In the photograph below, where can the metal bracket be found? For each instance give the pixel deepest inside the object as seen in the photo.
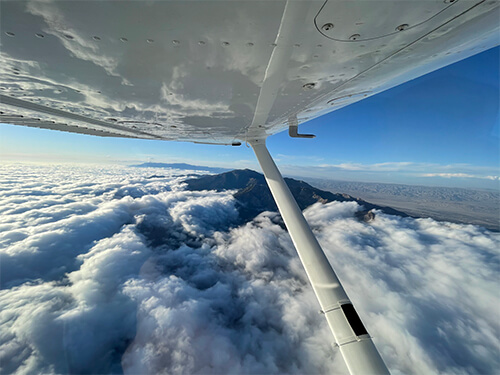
(334, 307)
(293, 129)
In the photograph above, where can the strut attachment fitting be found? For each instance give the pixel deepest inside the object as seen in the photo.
(293, 129)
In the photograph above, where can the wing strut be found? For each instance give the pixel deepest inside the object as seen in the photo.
(355, 345)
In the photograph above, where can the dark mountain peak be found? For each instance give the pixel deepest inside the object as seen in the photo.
(236, 179)
(253, 194)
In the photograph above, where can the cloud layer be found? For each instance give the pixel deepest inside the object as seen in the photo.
(106, 270)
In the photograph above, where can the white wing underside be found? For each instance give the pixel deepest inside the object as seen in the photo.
(219, 71)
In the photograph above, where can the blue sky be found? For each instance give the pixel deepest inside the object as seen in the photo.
(440, 129)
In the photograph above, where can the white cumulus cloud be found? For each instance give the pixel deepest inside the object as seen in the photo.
(110, 270)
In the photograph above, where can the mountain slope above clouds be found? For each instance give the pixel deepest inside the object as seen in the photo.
(253, 194)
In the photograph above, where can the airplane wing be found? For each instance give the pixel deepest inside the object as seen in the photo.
(219, 71)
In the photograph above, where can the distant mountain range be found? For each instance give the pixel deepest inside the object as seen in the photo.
(253, 194)
(180, 166)
(458, 205)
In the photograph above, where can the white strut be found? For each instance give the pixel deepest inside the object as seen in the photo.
(355, 345)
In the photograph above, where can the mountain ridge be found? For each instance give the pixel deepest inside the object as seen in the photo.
(253, 194)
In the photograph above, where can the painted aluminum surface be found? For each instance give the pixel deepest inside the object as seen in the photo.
(219, 71)
(359, 352)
